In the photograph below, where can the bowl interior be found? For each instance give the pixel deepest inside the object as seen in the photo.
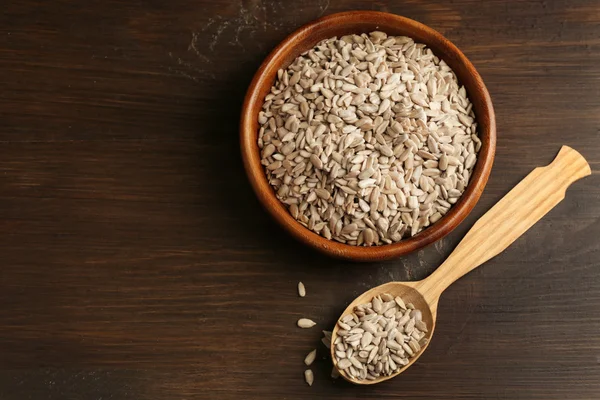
(363, 22)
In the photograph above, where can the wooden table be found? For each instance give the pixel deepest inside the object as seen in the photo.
(136, 262)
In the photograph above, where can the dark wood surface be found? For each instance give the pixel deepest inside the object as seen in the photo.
(136, 262)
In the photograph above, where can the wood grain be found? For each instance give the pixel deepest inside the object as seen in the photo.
(138, 264)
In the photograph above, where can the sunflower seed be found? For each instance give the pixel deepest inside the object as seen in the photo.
(301, 289)
(357, 364)
(344, 363)
(379, 344)
(420, 325)
(306, 323)
(386, 297)
(309, 377)
(400, 303)
(310, 357)
(366, 339)
(414, 345)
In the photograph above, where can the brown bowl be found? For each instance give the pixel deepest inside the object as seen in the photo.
(363, 22)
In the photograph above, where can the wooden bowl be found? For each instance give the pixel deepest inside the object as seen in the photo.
(363, 22)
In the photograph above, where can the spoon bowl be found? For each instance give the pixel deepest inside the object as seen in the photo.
(409, 292)
(514, 214)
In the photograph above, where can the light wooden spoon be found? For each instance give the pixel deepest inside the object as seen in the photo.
(516, 212)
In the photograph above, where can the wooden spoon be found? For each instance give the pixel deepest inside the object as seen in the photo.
(516, 212)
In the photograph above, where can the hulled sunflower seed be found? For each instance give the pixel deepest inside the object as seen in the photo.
(309, 377)
(344, 363)
(306, 323)
(301, 289)
(310, 357)
(400, 302)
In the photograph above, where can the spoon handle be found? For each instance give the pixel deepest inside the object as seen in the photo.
(516, 212)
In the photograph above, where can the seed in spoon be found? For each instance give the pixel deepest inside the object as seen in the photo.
(377, 305)
(306, 323)
(344, 363)
(379, 344)
(400, 303)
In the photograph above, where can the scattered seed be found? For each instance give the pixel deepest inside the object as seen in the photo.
(386, 297)
(400, 302)
(344, 363)
(310, 357)
(306, 323)
(309, 377)
(422, 326)
(301, 289)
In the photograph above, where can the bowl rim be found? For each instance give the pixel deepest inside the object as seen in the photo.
(265, 193)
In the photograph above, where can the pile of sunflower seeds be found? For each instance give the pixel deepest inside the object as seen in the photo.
(368, 139)
(378, 338)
